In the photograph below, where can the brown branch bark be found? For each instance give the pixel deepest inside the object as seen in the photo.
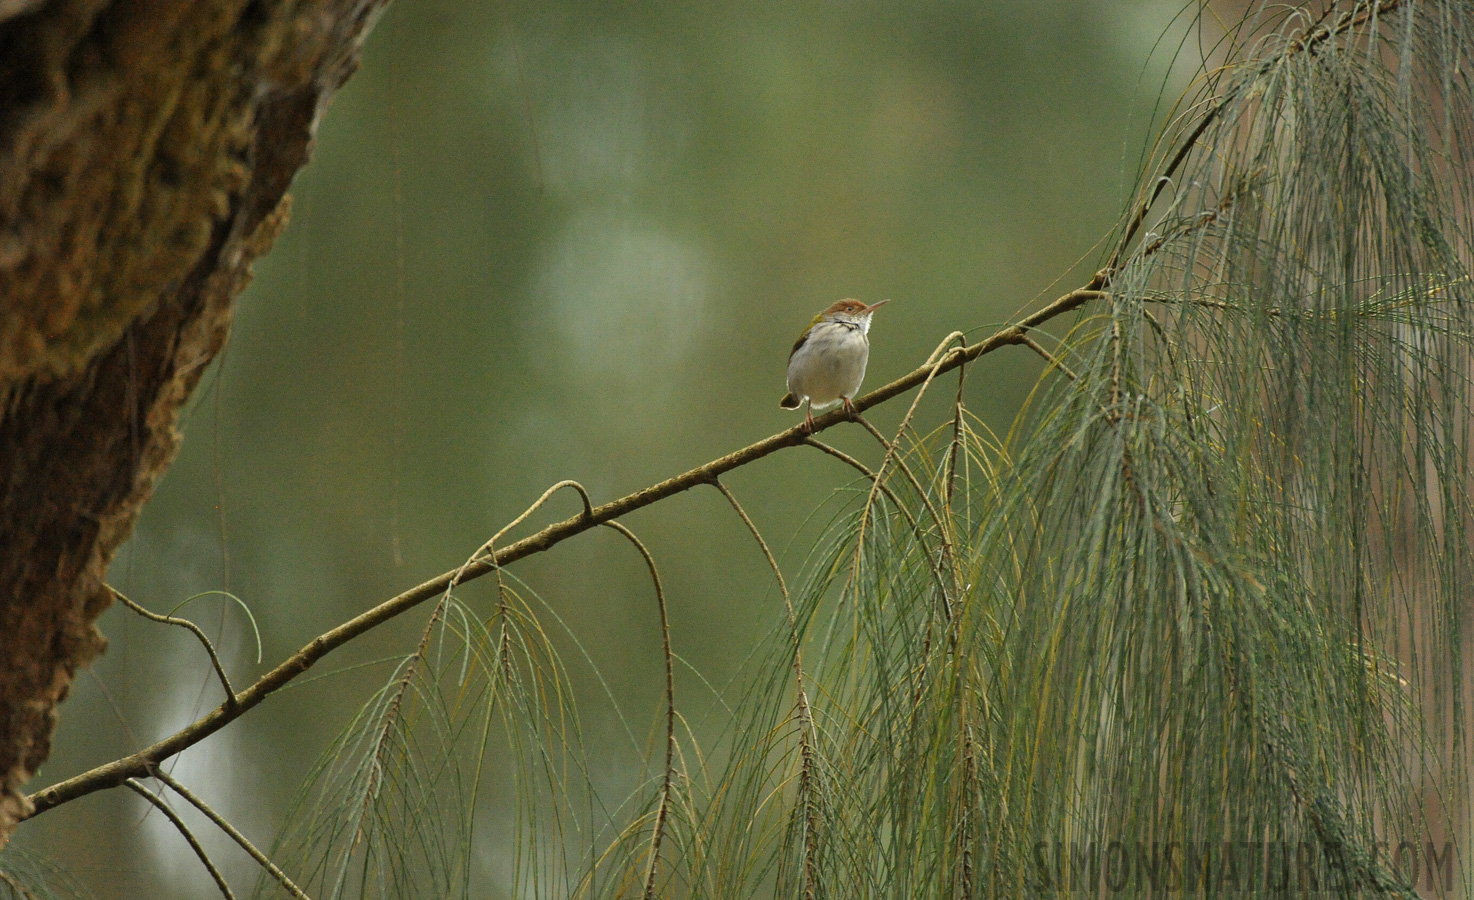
(145, 154)
(145, 151)
(141, 763)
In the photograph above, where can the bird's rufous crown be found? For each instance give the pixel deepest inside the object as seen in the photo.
(850, 307)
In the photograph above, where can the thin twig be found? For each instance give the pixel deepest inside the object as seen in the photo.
(757, 536)
(230, 830)
(965, 805)
(956, 446)
(230, 698)
(890, 495)
(1217, 304)
(391, 713)
(948, 558)
(1203, 219)
(890, 453)
(1049, 357)
(798, 665)
(486, 550)
(184, 831)
(663, 809)
(138, 763)
(805, 714)
(1115, 412)
(942, 531)
(1162, 181)
(1350, 19)
(865, 470)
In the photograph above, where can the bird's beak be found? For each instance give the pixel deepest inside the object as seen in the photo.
(873, 307)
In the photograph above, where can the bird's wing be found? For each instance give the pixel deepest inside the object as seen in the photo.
(805, 336)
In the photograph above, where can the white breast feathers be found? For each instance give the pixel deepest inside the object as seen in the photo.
(830, 364)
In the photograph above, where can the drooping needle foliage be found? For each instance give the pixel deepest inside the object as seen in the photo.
(1195, 624)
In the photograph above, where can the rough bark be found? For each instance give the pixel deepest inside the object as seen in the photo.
(146, 147)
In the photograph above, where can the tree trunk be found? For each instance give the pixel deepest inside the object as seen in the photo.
(146, 147)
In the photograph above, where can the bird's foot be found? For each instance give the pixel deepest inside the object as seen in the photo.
(849, 408)
(809, 422)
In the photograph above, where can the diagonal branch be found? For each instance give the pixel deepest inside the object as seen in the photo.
(230, 830)
(1049, 358)
(138, 764)
(184, 831)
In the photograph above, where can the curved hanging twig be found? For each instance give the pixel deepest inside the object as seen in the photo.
(935, 362)
(808, 773)
(1050, 358)
(910, 476)
(486, 551)
(663, 809)
(956, 445)
(941, 356)
(230, 830)
(866, 471)
(230, 698)
(184, 832)
(891, 495)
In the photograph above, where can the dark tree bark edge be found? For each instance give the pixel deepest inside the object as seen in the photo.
(146, 147)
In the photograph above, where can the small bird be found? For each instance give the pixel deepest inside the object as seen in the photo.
(827, 363)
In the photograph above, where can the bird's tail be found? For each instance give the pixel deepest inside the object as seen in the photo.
(789, 401)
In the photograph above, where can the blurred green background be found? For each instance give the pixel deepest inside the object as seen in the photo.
(575, 240)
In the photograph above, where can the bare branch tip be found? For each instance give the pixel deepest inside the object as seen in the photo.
(230, 696)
